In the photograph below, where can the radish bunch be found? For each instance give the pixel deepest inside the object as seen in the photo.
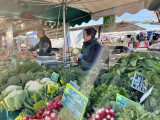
(103, 114)
(47, 113)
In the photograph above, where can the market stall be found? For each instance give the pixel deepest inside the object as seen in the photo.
(32, 90)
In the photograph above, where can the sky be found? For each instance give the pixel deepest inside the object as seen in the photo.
(143, 15)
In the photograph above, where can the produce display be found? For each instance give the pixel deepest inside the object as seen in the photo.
(4, 58)
(27, 87)
(4, 65)
(154, 46)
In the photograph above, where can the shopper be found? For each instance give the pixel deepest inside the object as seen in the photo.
(90, 51)
(44, 44)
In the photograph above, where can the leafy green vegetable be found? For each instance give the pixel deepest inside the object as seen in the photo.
(20, 116)
(135, 111)
(38, 105)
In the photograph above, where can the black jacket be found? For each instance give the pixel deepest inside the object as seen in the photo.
(90, 53)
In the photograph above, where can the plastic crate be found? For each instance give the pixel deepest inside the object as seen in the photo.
(6, 115)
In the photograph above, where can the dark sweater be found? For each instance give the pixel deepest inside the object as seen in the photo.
(90, 52)
(44, 46)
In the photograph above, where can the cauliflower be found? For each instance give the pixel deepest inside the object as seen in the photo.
(15, 100)
(10, 88)
(34, 86)
(46, 81)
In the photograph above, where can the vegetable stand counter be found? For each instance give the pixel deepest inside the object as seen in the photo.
(6, 115)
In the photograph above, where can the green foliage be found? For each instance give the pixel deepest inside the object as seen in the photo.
(135, 111)
(71, 74)
(20, 116)
(38, 105)
(14, 80)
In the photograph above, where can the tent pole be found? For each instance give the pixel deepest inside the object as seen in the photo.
(64, 29)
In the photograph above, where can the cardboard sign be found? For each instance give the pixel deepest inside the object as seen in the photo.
(140, 82)
(121, 100)
(109, 23)
(54, 77)
(75, 101)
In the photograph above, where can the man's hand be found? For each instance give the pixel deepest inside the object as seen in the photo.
(35, 55)
(78, 55)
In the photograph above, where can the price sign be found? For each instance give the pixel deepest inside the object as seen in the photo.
(74, 85)
(54, 77)
(75, 101)
(140, 82)
(121, 100)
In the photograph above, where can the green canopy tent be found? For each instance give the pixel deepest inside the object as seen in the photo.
(71, 11)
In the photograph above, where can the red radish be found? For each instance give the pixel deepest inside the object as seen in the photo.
(55, 106)
(43, 116)
(26, 118)
(43, 108)
(35, 117)
(49, 105)
(58, 99)
(93, 116)
(48, 118)
(30, 118)
(88, 115)
(102, 113)
(112, 113)
(38, 115)
(48, 113)
(108, 117)
(60, 104)
(41, 111)
(112, 118)
(54, 116)
(107, 112)
(108, 108)
(98, 117)
(104, 119)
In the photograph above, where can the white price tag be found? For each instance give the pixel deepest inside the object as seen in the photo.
(148, 93)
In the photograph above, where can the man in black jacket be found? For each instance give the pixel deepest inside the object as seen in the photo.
(44, 44)
(90, 51)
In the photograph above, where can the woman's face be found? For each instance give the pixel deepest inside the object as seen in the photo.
(86, 37)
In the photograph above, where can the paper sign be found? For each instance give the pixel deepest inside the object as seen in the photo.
(148, 93)
(121, 100)
(54, 77)
(75, 101)
(140, 82)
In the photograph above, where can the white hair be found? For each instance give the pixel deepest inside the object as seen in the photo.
(41, 31)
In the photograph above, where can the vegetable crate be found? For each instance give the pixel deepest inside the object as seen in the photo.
(6, 115)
